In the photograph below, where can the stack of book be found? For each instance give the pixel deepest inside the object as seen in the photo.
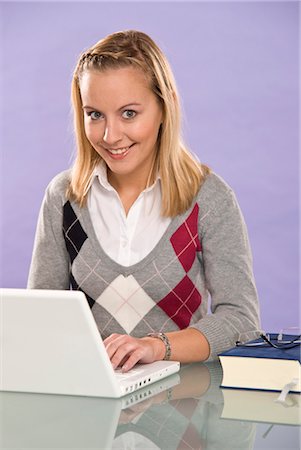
(250, 375)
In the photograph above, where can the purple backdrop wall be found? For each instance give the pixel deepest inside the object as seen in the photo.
(237, 70)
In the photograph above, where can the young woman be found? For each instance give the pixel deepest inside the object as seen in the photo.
(148, 233)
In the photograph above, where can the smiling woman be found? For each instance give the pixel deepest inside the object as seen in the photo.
(146, 231)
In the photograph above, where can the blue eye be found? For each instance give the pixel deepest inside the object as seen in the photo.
(129, 114)
(95, 115)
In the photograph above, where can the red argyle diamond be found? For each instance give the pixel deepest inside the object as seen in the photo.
(185, 240)
(181, 302)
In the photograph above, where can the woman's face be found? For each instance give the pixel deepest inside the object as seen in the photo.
(122, 117)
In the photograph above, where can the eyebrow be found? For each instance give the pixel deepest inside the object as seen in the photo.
(122, 107)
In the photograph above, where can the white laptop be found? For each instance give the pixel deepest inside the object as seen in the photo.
(50, 343)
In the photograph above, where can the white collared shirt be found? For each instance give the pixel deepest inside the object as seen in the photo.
(127, 239)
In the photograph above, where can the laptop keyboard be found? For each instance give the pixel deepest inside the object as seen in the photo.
(127, 375)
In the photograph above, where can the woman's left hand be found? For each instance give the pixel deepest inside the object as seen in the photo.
(125, 351)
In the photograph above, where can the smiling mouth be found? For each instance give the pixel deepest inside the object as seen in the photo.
(118, 151)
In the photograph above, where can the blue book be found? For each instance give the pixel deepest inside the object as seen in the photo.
(262, 367)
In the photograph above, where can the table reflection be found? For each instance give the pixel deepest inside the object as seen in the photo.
(186, 415)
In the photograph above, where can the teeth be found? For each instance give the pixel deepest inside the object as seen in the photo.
(119, 151)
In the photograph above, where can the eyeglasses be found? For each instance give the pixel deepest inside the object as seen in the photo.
(279, 340)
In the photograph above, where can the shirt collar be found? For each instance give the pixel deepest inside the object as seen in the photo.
(100, 172)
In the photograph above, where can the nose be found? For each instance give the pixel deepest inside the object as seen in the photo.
(112, 132)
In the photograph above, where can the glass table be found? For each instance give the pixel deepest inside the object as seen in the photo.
(192, 413)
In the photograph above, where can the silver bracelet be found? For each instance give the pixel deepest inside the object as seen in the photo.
(165, 341)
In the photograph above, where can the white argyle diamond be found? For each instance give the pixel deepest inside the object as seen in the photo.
(126, 301)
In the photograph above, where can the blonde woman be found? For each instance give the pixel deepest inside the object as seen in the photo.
(147, 232)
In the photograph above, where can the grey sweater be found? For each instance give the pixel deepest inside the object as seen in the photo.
(202, 259)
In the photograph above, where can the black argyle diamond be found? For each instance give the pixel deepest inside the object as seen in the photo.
(74, 234)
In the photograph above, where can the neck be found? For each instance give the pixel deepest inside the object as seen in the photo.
(129, 188)
(124, 182)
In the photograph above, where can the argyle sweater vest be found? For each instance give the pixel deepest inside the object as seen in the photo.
(205, 250)
(166, 295)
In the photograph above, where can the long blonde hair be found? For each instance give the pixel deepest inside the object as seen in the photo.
(181, 174)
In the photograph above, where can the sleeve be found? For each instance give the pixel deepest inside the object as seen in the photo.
(228, 272)
(49, 267)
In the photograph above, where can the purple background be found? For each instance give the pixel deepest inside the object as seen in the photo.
(236, 65)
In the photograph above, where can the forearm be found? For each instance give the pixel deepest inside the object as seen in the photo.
(187, 346)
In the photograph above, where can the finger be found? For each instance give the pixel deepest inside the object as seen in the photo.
(114, 342)
(124, 352)
(134, 357)
(111, 338)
